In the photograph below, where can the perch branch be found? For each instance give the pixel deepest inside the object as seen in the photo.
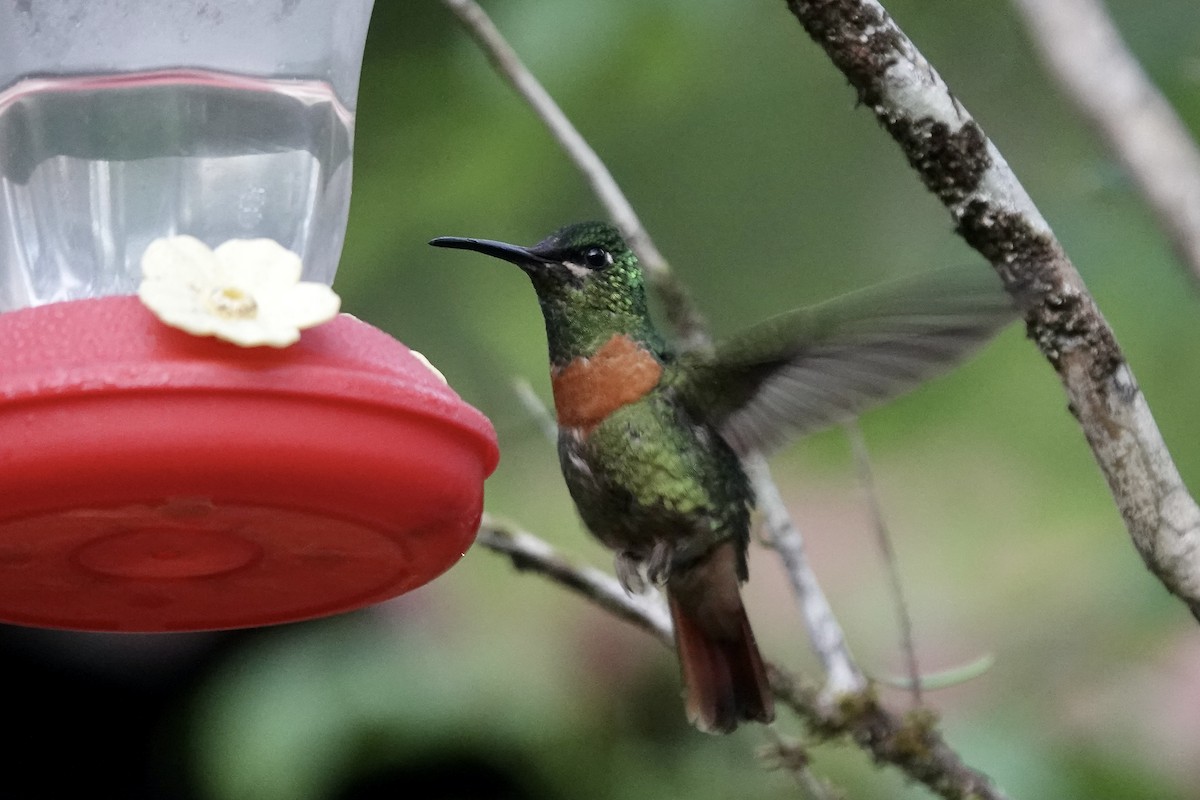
(528, 552)
(910, 743)
(993, 213)
(1085, 52)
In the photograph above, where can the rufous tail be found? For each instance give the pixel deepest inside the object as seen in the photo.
(724, 679)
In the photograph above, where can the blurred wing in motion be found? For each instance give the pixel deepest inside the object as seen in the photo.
(813, 367)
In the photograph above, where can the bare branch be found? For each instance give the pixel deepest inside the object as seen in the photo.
(1084, 50)
(528, 552)
(910, 743)
(958, 163)
(842, 675)
(680, 310)
(883, 539)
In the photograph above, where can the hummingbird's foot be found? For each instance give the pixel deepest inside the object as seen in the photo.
(658, 566)
(629, 572)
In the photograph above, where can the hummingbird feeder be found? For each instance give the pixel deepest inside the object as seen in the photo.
(155, 475)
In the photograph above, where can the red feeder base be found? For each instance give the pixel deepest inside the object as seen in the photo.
(155, 481)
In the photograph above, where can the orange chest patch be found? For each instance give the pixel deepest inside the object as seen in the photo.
(589, 389)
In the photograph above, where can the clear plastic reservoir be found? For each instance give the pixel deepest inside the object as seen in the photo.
(233, 123)
(93, 168)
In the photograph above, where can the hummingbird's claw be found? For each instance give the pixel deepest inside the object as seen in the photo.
(658, 566)
(629, 573)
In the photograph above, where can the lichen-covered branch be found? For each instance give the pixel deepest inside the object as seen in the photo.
(993, 213)
(1084, 51)
(910, 742)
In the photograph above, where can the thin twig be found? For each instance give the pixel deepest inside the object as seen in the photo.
(528, 552)
(1085, 52)
(842, 675)
(883, 538)
(791, 754)
(680, 311)
(994, 214)
(911, 743)
(546, 422)
(688, 323)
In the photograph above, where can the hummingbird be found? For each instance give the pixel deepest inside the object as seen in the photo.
(651, 439)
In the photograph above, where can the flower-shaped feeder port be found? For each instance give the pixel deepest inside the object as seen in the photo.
(247, 291)
(154, 480)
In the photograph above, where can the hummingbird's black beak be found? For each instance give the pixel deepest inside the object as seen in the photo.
(523, 257)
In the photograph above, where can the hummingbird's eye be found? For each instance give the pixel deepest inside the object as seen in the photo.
(596, 257)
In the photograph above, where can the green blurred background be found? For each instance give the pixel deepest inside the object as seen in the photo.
(743, 151)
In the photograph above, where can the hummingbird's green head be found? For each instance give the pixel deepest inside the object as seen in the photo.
(588, 282)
